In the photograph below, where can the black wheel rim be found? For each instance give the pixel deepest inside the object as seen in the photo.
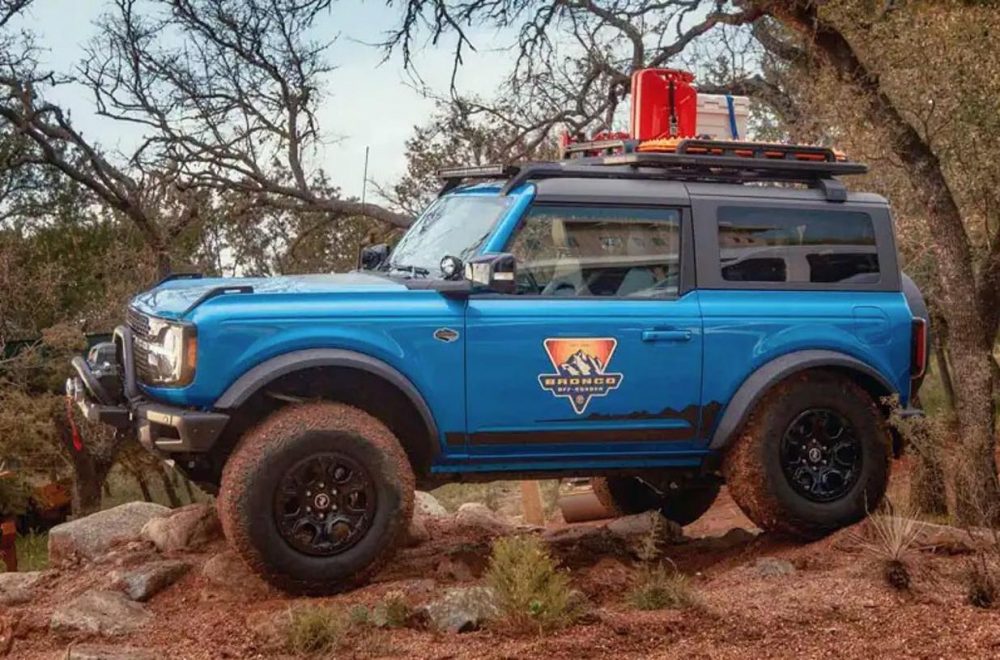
(324, 504)
(821, 455)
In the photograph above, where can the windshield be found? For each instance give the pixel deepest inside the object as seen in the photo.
(456, 226)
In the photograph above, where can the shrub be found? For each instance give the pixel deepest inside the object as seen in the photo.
(891, 534)
(314, 629)
(660, 587)
(359, 615)
(531, 592)
(394, 611)
(981, 581)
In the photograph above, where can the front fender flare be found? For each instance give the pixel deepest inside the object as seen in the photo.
(269, 370)
(770, 373)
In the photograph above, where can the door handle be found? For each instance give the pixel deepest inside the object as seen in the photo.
(666, 335)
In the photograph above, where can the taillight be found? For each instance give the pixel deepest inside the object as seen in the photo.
(918, 352)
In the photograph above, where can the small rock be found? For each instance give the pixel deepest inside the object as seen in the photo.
(462, 610)
(427, 505)
(88, 538)
(641, 525)
(146, 581)
(100, 612)
(95, 652)
(417, 532)
(228, 571)
(452, 569)
(734, 538)
(188, 528)
(773, 567)
(476, 514)
(18, 588)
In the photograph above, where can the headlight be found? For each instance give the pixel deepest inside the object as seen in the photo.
(168, 355)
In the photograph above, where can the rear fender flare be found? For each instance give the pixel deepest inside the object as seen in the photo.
(769, 374)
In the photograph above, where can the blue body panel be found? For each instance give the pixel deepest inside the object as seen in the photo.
(670, 366)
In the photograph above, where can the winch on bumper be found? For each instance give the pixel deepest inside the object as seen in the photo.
(105, 390)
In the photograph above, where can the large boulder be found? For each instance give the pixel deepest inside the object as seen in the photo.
(144, 582)
(18, 588)
(190, 527)
(100, 612)
(462, 610)
(88, 538)
(425, 504)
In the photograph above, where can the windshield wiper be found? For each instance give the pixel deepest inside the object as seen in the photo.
(415, 271)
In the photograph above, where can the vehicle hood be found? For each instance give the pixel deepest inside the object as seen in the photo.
(173, 299)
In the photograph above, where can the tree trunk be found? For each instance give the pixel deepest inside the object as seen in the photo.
(188, 489)
(89, 475)
(976, 488)
(944, 372)
(168, 486)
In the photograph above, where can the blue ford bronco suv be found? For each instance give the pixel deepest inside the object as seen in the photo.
(662, 323)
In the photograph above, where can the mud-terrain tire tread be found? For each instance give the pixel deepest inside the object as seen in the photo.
(745, 471)
(276, 433)
(684, 508)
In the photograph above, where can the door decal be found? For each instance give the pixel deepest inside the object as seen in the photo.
(581, 369)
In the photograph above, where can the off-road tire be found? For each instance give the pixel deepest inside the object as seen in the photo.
(752, 463)
(255, 468)
(624, 496)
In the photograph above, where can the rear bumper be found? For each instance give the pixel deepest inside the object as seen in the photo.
(160, 428)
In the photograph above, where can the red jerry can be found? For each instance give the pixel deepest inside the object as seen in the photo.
(664, 105)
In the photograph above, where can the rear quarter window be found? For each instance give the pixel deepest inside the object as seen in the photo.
(760, 244)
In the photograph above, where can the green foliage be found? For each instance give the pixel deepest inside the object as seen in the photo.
(532, 594)
(314, 629)
(359, 615)
(14, 494)
(659, 587)
(32, 551)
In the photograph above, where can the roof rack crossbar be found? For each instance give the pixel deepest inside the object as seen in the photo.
(671, 166)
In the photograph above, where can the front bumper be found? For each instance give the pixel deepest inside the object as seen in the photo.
(160, 428)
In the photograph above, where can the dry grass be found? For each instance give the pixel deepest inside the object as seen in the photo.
(314, 629)
(532, 594)
(890, 536)
(660, 587)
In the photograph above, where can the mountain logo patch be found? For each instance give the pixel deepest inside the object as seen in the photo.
(581, 369)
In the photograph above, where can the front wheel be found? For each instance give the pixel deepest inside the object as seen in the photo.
(316, 497)
(813, 457)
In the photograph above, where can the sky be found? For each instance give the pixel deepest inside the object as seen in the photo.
(367, 103)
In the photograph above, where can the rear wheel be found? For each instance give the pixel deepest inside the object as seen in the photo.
(629, 495)
(316, 498)
(812, 458)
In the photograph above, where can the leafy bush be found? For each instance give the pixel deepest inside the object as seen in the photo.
(659, 587)
(531, 592)
(314, 629)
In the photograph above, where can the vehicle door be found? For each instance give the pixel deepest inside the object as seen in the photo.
(598, 356)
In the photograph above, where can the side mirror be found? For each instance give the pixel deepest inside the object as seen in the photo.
(493, 272)
(373, 256)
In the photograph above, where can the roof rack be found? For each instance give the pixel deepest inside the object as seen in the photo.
(692, 160)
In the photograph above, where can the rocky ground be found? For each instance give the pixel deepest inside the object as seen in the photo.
(140, 581)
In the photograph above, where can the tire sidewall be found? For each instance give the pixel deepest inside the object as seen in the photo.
(869, 486)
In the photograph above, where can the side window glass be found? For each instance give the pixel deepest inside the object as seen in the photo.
(598, 251)
(788, 245)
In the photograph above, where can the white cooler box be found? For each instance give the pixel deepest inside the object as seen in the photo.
(717, 117)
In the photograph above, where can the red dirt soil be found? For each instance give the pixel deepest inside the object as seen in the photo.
(835, 605)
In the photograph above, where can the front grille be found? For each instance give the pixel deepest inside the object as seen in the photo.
(140, 326)
(138, 322)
